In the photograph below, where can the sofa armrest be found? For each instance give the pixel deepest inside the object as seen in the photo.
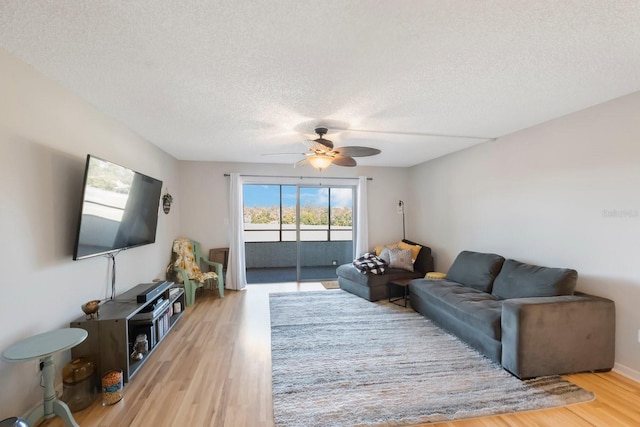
(557, 335)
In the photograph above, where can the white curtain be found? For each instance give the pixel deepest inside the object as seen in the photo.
(362, 225)
(236, 275)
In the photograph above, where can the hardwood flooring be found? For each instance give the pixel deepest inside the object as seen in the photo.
(214, 369)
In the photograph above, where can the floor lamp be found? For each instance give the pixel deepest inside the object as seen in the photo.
(401, 210)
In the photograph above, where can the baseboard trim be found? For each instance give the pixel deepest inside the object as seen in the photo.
(627, 372)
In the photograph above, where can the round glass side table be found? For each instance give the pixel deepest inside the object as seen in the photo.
(43, 346)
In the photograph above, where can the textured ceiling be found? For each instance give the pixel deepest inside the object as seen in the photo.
(232, 80)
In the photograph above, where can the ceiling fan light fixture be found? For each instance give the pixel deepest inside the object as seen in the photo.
(320, 161)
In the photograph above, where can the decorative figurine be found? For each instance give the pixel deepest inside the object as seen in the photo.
(91, 309)
(167, 199)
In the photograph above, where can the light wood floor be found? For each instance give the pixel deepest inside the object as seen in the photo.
(214, 369)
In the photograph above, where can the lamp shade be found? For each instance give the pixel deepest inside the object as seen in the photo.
(320, 161)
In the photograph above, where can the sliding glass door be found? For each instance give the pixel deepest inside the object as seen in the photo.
(325, 228)
(296, 232)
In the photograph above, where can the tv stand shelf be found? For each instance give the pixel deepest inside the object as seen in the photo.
(113, 334)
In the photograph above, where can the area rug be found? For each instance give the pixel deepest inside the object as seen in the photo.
(330, 284)
(339, 360)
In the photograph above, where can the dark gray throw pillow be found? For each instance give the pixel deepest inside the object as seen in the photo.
(475, 269)
(520, 280)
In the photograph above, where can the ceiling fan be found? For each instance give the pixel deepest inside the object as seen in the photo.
(322, 152)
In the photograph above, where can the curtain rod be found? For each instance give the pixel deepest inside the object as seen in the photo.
(301, 177)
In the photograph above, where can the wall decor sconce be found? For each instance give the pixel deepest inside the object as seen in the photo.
(167, 199)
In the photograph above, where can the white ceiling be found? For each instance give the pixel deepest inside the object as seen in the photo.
(232, 80)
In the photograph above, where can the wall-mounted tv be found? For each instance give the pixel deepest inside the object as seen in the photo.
(119, 209)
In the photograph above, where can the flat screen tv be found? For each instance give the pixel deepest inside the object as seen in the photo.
(119, 209)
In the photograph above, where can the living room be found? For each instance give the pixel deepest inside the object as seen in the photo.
(561, 192)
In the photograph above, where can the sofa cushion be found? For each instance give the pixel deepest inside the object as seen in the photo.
(475, 269)
(385, 255)
(415, 249)
(378, 249)
(476, 308)
(520, 280)
(382, 251)
(400, 258)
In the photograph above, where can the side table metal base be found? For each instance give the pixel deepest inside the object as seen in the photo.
(405, 297)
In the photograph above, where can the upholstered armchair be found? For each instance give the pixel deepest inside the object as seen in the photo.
(185, 268)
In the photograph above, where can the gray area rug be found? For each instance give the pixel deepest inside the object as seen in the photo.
(339, 360)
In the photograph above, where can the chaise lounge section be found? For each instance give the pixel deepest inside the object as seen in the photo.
(527, 318)
(374, 287)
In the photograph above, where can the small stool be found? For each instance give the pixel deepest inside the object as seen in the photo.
(434, 275)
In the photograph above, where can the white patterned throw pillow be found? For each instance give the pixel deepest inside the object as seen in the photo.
(399, 258)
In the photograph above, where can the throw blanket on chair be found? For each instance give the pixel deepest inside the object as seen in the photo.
(369, 263)
(183, 257)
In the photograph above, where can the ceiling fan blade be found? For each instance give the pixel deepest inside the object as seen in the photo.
(344, 161)
(316, 146)
(391, 132)
(301, 162)
(356, 151)
(324, 142)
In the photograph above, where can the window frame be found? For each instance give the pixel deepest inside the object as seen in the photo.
(298, 226)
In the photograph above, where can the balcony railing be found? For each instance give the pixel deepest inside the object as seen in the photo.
(284, 254)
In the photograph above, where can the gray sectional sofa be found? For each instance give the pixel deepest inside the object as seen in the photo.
(527, 318)
(374, 287)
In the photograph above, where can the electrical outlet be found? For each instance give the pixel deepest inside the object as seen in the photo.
(335, 262)
(639, 335)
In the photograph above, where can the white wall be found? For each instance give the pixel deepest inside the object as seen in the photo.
(45, 135)
(564, 194)
(205, 196)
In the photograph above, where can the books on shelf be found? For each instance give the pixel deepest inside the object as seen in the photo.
(162, 325)
(173, 293)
